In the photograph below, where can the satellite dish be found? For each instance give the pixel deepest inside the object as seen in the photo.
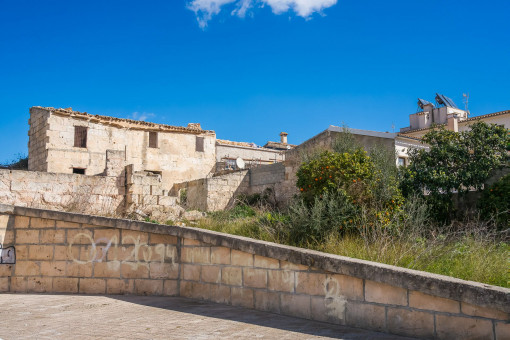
(240, 163)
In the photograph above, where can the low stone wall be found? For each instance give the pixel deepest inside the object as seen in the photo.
(89, 194)
(213, 193)
(48, 251)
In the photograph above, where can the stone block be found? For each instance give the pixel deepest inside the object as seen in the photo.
(122, 253)
(79, 236)
(42, 223)
(386, 294)
(267, 301)
(92, 286)
(232, 276)
(107, 269)
(134, 237)
(6, 270)
(66, 253)
(51, 236)
(211, 274)
(474, 310)
(242, 297)
(27, 236)
(158, 270)
(410, 323)
(280, 280)
(119, 286)
(310, 283)
(39, 284)
(195, 290)
(74, 269)
(134, 270)
(27, 268)
(191, 242)
(327, 310)
(455, 327)
(4, 284)
(18, 284)
(266, 262)
(296, 305)
(351, 288)
(191, 272)
(53, 268)
(109, 235)
(164, 239)
(21, 222)
(502, 331)
(67, 225)
(366, 316)
(220, 294)
(171, 288)
(220, 255)
(42, 253)
(148, 287)
(255, 277)
(65, 285)
(201, 255)
(240, 258)
(425, 301)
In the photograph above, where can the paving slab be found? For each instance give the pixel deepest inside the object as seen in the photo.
(42, 316)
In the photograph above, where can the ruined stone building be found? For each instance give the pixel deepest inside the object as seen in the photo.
(67, 141)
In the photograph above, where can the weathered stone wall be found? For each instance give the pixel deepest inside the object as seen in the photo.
(250, 155)
(213, 193)
(65, 192)
(72, 253)
(176, 156)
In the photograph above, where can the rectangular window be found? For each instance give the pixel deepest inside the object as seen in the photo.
(80, 136)
(153, 139)
(401, 161)
(199, 147)
(79, 171)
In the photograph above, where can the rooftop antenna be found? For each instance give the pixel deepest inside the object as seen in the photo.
(393, 127)
(466, 102)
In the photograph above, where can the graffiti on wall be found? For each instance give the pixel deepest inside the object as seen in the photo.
(7, 255)
(136, 254)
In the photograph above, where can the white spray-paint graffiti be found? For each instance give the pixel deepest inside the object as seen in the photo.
(7, 255)
(100, 248)
(333, 299)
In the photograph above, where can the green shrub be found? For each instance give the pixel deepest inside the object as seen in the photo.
(495, 202)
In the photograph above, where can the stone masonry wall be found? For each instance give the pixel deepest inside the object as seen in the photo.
(69, 192)
(47, 251)
(37, 141)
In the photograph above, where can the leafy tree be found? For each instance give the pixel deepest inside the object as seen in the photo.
(455, 161)
(495, 202)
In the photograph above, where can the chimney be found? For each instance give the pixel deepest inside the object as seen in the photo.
(453, 123)
(283, 137)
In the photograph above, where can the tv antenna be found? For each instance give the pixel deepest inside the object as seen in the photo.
(466, 102)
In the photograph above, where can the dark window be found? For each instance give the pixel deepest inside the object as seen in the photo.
(79, 171)
(153, 139)
(199, 144)
(80, 136)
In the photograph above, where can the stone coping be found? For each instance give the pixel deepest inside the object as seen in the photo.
(438, 285)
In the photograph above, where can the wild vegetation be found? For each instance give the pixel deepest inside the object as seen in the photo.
(20, 162)
(357, 203)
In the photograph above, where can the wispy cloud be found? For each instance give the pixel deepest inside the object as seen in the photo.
(141, 116)
(206, 9)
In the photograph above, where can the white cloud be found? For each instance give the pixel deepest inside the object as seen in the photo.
(141, 116)
(206, 9)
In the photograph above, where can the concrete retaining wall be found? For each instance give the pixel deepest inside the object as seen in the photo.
(48, 251)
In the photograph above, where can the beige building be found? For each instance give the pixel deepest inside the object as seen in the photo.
(67, 141)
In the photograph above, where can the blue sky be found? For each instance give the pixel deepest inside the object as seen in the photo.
(249, 77)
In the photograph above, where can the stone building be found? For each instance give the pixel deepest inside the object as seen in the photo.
(67, 141)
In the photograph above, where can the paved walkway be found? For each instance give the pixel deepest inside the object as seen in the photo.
(24, 316)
